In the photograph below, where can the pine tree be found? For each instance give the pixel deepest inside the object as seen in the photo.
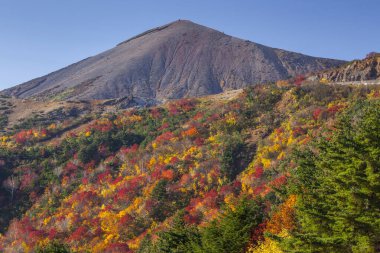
(179, 238)
(231, 233)
(53, 247)
(338, 182)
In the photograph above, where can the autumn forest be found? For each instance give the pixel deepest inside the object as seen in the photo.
(291, 166)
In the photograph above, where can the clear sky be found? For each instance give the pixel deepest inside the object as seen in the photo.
(40, 36)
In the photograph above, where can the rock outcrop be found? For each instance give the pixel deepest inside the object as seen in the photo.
(358, 70)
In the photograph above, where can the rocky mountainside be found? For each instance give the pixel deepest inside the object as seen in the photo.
(358, 70)
(180, 59)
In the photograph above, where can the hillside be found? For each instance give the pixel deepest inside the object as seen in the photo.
(357, 70)
(180, 59)
(265, 169)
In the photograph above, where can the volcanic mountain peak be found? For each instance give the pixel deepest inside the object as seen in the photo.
(180, 59)
(180, 24)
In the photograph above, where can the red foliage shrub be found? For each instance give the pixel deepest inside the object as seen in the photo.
(78, 234)
(126, 219)
(211, 199)
(199, 141)
(130, 188)
(279, 181)
(299, 79)
(202, 181)
(117, 180)
(188, 158)
(213, 117)
(198, 116)
(258, 172)
(193, 203)
(259, 189)
(95, 222)
(155, 112)
(376, 94)
(28, 179)
(192, 219)
(297, 131)
(72, 135)
(84, 196)
(237, 186)
(118, 247)
(131, 149)
(236, 106)
(21, 137)
(163, 127)
(173, 109)
(174, 160)
(316, 113)
(167, 136)
(258, 233)
(103, 125)
(98, 231)
(225, 190)
(185, 179)
(279, 130)
(182, 105)
(186, 104)
(44, 132)
(149, 203)
(104, 176)
(34, 233)
(85, 180)
(90, 165)
(334, 109)
(24, 230)
(52, 233)
(156, 173)
(190, 132)
(70, 168)
(168, 174)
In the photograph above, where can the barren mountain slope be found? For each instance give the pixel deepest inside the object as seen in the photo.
(180, 59)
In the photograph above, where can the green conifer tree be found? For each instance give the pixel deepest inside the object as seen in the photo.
(338, 182)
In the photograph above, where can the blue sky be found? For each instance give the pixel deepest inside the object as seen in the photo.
(40, 36)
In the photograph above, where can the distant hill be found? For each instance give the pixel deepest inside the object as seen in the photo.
(358, 70)
(180, 59)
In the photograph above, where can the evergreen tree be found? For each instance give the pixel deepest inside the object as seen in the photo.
(53, 247)
(179, 238)
(147, 245)
(338, 182)
(231, 233)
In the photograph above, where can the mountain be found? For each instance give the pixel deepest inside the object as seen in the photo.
(180, 59)
(358, 70)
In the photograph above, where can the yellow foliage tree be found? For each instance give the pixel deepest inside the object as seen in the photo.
(266, 246)
(283, 219)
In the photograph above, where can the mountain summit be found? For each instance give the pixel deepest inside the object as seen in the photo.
(180, 59)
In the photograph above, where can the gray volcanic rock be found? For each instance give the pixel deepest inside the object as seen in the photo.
(180, 59)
